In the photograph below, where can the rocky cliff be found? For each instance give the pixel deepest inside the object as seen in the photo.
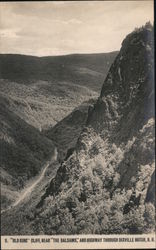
(106, 185)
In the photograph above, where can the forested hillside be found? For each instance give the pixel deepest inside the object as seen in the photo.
(23, 152)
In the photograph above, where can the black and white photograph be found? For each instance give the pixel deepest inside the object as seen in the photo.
(77, 120)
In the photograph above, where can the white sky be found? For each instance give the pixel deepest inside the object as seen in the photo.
(54, 28)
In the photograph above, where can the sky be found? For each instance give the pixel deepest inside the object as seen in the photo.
(57, 28)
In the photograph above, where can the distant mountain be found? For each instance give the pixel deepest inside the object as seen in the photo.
(106, 183)
(44, 90)
(23, 152)
(83, 69)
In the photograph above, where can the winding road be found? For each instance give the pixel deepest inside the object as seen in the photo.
(29, 189)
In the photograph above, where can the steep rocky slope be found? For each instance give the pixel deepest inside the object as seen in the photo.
(106, 184)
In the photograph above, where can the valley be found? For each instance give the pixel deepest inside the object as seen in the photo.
(42, 91)
(102, 125)
(31, 105)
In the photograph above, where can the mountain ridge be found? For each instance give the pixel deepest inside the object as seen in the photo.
(21, 67)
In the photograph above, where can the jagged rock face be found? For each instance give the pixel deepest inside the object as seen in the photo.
(105, 186)
(127, 94)
(150, 196)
